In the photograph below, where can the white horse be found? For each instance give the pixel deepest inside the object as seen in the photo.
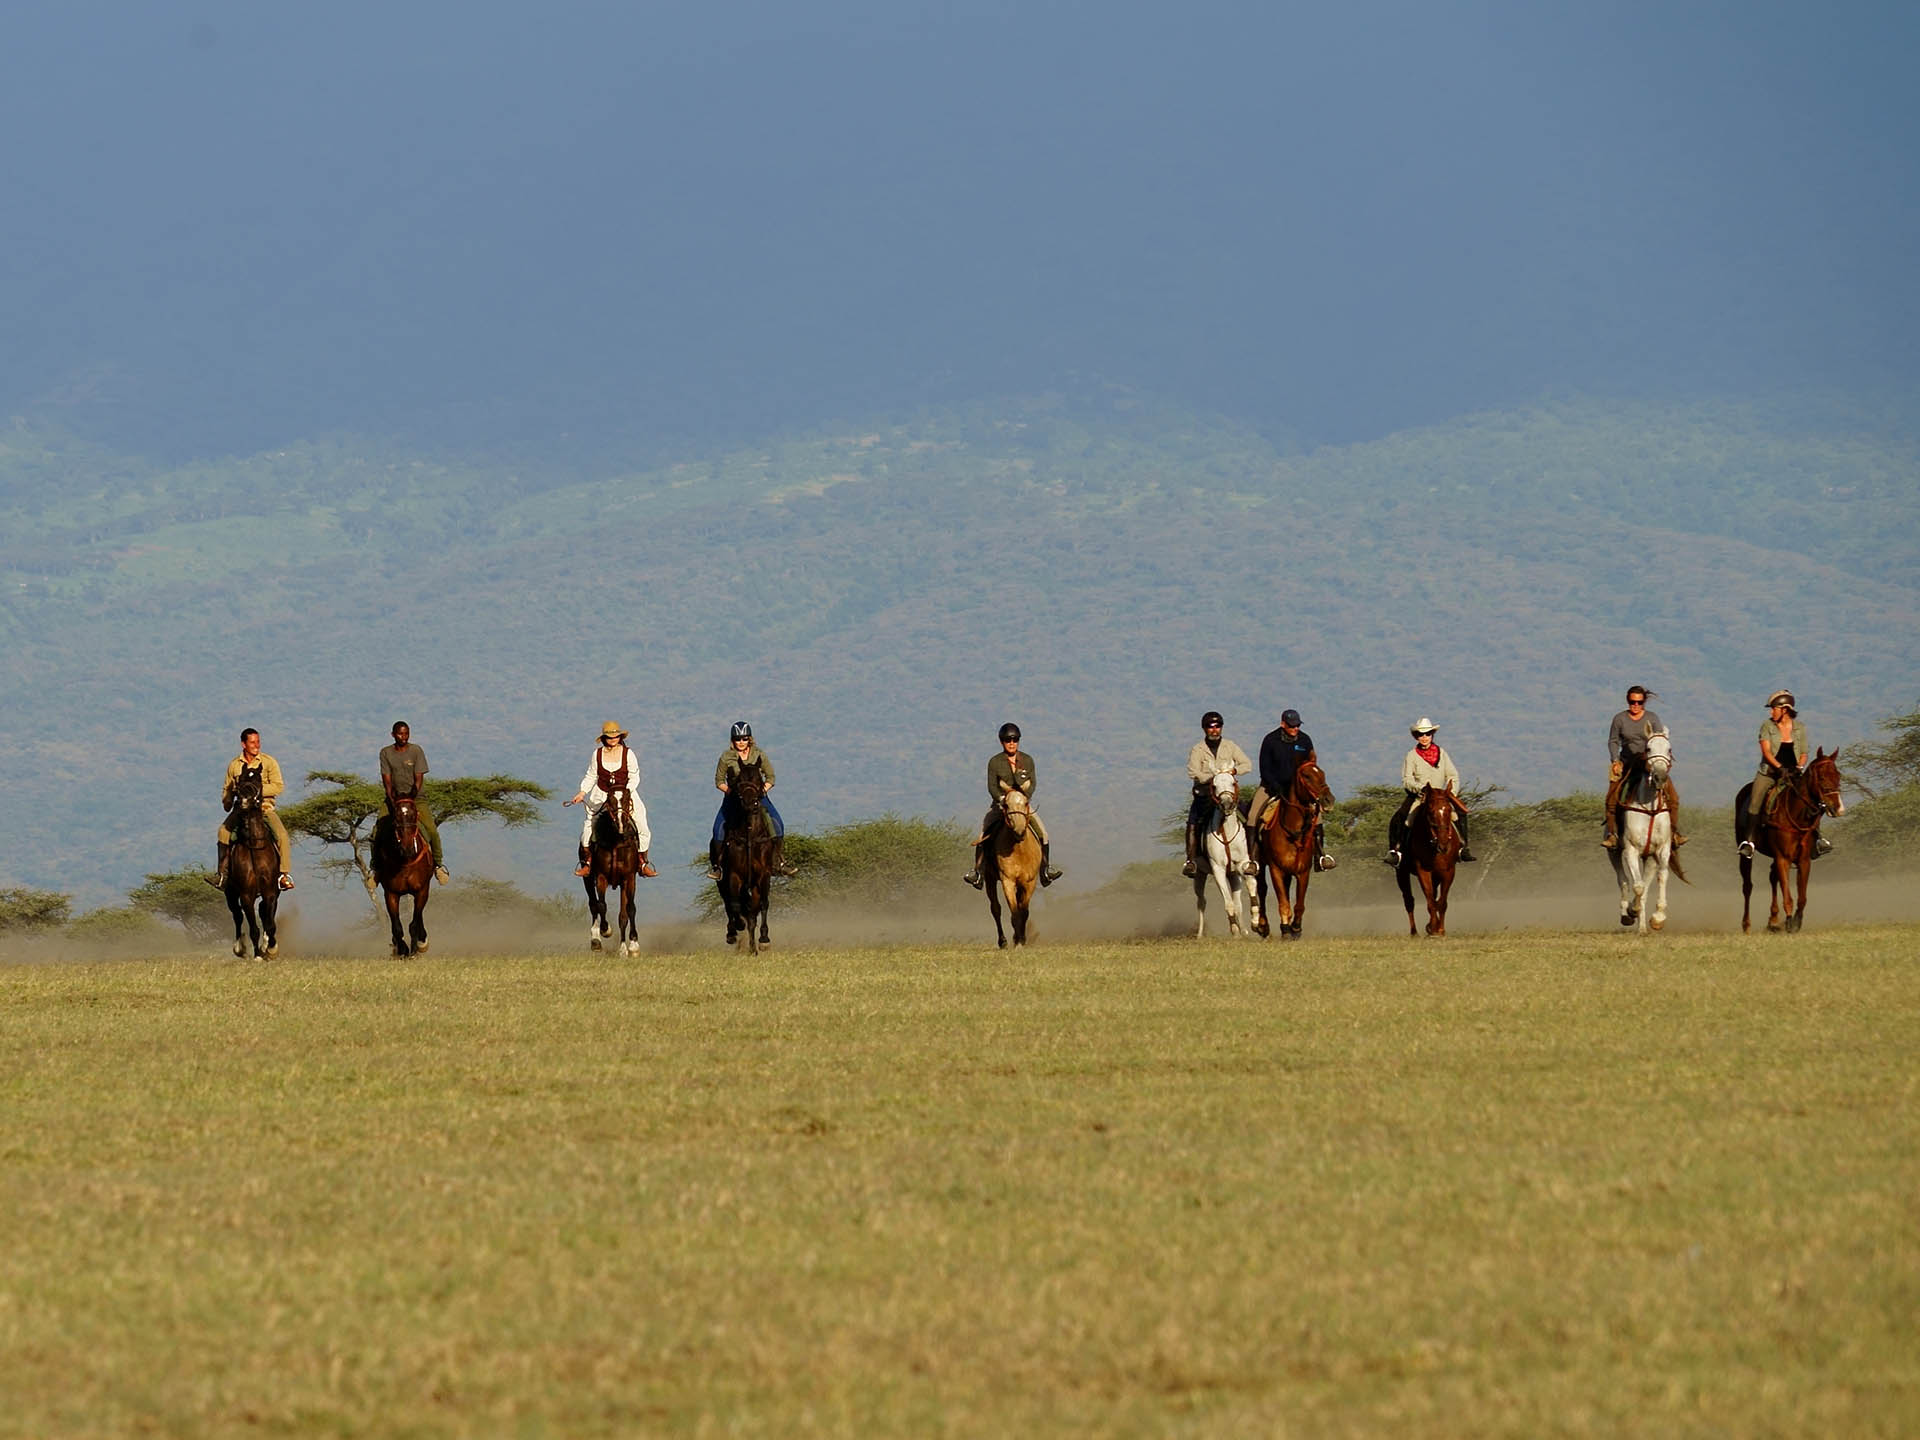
(1647, 835)
(1228, 858)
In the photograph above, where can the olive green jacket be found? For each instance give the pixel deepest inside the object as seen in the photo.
(731, 760)
(1004, 775)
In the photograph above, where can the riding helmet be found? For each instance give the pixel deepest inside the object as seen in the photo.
(742, 730)
(1211, 719)
(1781, 697)
(1009, 731)
(1290, 717)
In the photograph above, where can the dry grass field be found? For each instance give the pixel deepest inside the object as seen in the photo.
(1520, 1184)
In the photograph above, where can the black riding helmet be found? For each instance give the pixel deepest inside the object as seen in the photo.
(1211, 719)
(742, 730)
(1009, 731)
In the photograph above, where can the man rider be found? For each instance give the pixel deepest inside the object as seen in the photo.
(1627, 748)
(1011, 769)
(742, 751)
(1282, 754)
(1426, 764)
(271, 785)
(403, 772)
(1783, 750)
(1209, 757)
(613, 769)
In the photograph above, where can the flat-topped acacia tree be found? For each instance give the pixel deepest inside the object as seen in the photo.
(343, 816)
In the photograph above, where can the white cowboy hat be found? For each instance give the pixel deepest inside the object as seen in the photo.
(1422, 726)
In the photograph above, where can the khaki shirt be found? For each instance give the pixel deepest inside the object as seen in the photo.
(270, 782)
(1416, 773)
(1004, 775)
(1203, 764)
(731, 760)
(1770, 733)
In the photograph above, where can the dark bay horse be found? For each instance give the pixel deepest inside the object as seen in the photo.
(613, 859)
(746, 857)
(1430, 852)
(1787, 832)
(1286, 850)
(253, 870)
(1012, 866)
(403, 864)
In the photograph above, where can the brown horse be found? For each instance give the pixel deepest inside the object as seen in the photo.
(253, 870)
(746, 858)
(1430, 851)
(1788, 832)
(1012, 866)
(403, 864)
(1285, 849)
(613, 859)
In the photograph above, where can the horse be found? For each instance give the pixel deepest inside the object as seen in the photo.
(403, 865)
(746, 858)
(1286, 847)
(1012, 865)
(253, 870)
(1430, 850)
(1227, 857)
(1646, 833)
(1787, 832)
(613, 859)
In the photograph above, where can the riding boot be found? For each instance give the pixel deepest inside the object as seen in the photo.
(1673, 818)
(646, 866)
(585, 864)
(781, 865)
(973, 876)
(1611, 840)
(713, 860)
(1321, 860)
(1466, 851)
(1192, 867)
(1047, 873)
(219, 881)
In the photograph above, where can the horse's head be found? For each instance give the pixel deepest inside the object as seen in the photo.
(1019, 814)
(1437, 806)
(1310, 782)
(748, 787)
(1659, 755)
(406, 823)
(1823, 779)
(247, 787)
(1226, 791)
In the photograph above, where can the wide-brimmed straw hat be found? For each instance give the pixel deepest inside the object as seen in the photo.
(613, 730)
(1780, 697)
(1422, 726)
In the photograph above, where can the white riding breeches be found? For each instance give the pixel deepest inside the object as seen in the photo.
(639, 823)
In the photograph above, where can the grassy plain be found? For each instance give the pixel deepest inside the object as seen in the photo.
(1511, 1184)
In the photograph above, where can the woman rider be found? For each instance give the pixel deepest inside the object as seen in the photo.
(613, 769)
(742, 751)
(1011, 769)
(1783, 750)
(1426, 765)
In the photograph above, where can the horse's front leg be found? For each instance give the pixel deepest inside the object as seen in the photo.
(1300, 898)
(239, 923)
(1429, 888)
(1777, 891)
(1746, 895)
(993, 904)
(1200, 883)
(1659, 887)
(269, 922)
(393, 923)
(629, 926)
(1019, 899)
(418, 928)
(1406, 897)
(1800, 909)
(766, 907)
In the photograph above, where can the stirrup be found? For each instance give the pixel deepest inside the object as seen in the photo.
(1821, 846)
(286, 881)
(1610, 842)
(1325, 862)
(440, 874)
(975, 879)
(713, 872)
(1249, 867)
(1745, 850)
(218, 881)
(1190, 869)
(582, 869)
(646, 868)
(1048, 874)
(1392, 858)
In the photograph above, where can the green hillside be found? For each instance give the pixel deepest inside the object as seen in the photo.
(877, 598)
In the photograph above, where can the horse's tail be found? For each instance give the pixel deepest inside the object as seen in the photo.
(1673, 864)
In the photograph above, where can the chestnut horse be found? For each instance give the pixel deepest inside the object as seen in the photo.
(746, 858)
(1787, 832)
(253, 870)
(1286, 847)
(613, 859)
(1012, 866)
(403, 864)
(1430, 851)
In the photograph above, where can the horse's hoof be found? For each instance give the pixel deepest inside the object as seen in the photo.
(1627, 919)
(1657, 923)
(595, 943)
(239, 950)
(421, 948)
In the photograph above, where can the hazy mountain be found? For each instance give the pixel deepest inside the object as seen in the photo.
(877, 598)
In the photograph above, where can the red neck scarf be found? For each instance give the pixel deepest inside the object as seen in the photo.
(1429, 751)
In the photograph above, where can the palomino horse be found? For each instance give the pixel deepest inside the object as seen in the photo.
(1012, 865)
(613, 859)
(1430, 851)
(1788, 832)
(746, 858)
(1646, 834)
(403, 864)
(253, 870)
(1229, 864)
(1286, 847)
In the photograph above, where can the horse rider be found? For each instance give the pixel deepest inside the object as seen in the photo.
(742, 751)
(1783, 750)
(612, 769)
(1210, 756)
(1426, 765)
(1011, 769)
(403, 773)
(1627, 748)
(271, 784)
(1282, 754)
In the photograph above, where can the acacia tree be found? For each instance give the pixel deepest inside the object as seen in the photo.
(24, 909)
(344, 816)
(1890, 766)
